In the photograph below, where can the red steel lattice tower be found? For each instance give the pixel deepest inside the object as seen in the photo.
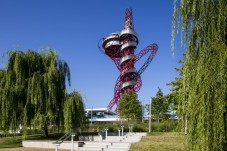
(120, 46)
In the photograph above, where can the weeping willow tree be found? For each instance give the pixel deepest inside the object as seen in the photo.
(33, 90)
(203, 95)
(2, 82)
(74, 113)
(12, 92)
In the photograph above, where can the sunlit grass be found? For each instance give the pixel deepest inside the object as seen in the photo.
(160, 142)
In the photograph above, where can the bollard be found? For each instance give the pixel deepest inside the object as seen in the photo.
(72, 135)
(56, 147)
(122, 127)
(106, 129)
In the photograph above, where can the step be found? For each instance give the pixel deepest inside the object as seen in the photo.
(113, 143)
(105, 146)
(102, 149)
(108, 143)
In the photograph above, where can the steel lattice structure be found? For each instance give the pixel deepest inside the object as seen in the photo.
(120, 47)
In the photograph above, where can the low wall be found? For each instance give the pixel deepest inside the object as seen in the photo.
(48, 144)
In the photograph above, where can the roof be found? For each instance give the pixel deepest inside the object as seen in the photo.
(101, 110)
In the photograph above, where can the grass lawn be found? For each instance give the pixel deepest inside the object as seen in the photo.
(8, 142)
(13, 142)
(160, 141)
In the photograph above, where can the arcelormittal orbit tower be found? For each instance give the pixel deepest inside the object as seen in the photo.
(120, 47)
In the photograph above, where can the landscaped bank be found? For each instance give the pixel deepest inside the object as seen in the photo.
(160, 141)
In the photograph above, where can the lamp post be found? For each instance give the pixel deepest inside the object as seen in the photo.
(142, 112)
(91, 114)
(150, 117)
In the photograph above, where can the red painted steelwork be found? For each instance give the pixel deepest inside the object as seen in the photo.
(120, 48)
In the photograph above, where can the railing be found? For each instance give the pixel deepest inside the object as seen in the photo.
(64, 138)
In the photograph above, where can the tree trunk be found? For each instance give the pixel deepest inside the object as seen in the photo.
(225, 129)
(46, 130)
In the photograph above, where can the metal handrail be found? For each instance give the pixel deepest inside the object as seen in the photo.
(63, 138)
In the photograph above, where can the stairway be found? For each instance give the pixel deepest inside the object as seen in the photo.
(112, 143)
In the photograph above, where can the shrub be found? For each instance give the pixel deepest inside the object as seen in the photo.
(164, 126)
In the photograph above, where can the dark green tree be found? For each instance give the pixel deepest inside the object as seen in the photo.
(159, 105)
(74, 113)
(176, 86)
(203, 93)
(129, 107)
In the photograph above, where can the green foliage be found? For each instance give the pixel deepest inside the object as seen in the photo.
(204, 80)
(32, 90)
(164, 126)
(74, 113)
(139, 127)
(159, 105)
(129, 107)
(176, 85)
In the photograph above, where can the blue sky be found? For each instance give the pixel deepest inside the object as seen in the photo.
(74, 28)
